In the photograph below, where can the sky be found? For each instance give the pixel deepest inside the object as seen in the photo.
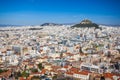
(35, 12)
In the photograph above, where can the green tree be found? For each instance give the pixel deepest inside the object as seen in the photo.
(3, 70)
(54, 77)
(17, 74)
(40, 66)
(25, 74)
(34, 70)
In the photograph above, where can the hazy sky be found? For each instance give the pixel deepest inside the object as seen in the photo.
(35, 12)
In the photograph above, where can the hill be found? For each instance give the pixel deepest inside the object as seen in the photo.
(86, 23)
(51, 24)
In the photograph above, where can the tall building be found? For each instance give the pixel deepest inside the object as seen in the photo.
(17, 49)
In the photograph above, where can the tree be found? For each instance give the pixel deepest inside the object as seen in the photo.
(1, 70)
(40, 66)
(25, 74)
(33, 70)
(4, 70)
(54, 77)
(17, 74)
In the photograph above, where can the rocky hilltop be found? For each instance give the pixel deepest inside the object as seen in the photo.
(86, 23)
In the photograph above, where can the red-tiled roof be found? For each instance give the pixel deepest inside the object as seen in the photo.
(45, 56)
(69, 73)
(71, 59)
(66, 66)
(1, 76)
(7, 73)
(22, 78)
(82, 72)
(55, 67)
(74, 69)
(43, 71)
(108, 75)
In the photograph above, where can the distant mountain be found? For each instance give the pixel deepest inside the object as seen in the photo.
(50, 24)
(7, 25)
(110, 25)
(86, 23)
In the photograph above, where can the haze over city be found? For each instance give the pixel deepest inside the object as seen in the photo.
(35, 12)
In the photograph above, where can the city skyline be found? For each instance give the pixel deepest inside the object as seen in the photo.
(35, 12)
